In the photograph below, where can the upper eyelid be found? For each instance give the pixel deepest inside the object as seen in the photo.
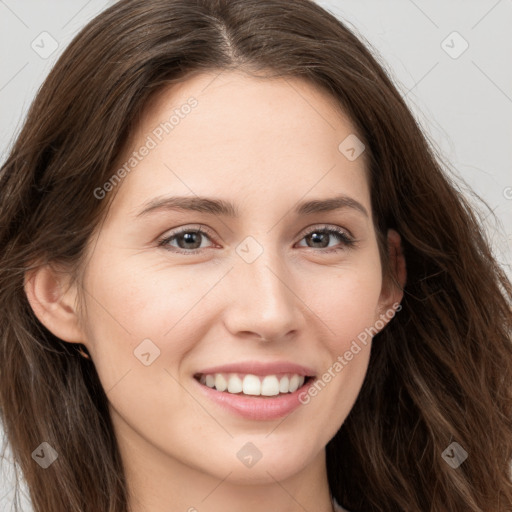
(207, 231)
(326, 227)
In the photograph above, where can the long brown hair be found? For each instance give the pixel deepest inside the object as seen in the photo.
(440, 372)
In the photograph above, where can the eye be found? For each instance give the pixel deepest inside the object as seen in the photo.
(188, 240)
(319, 236)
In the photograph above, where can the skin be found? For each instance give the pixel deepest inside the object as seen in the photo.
(264, 145)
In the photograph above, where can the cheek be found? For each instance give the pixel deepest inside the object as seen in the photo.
(348, 310)
(349, 302)
(171, 307)
(130, 301)
(141, 328)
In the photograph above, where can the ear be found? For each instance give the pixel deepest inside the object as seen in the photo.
(53, 301)
(393, 285)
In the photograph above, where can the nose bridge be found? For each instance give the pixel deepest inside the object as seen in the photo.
(264, 301)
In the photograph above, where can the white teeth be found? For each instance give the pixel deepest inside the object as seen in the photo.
(220, 382)
(269, 385)
(294, 383)
(284, 384)
(251, 385)
(234, 384)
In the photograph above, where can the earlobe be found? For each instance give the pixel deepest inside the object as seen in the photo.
(53, 302)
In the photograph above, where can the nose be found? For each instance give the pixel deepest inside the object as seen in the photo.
(263, 304)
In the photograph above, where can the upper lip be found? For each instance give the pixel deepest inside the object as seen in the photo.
(260, 368)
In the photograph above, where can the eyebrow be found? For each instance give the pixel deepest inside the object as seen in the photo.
(221, 207)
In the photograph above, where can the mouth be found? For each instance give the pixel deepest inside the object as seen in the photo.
(251, 385)
(256, 390)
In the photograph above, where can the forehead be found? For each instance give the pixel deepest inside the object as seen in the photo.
(219, 134)
(233, 100)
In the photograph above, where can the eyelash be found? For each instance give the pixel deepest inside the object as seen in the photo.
(347, 241)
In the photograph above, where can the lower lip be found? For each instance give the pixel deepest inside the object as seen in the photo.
(257, 407)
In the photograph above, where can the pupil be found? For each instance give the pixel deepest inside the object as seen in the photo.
(316, 236)
(189, 239)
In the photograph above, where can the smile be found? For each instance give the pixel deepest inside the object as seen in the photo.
(255, 391)
(253, 385)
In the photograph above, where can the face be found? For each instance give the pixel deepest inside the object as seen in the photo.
(262, 295)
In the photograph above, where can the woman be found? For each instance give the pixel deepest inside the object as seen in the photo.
(336, 336)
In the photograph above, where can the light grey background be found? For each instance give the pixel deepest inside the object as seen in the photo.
(464, 102)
